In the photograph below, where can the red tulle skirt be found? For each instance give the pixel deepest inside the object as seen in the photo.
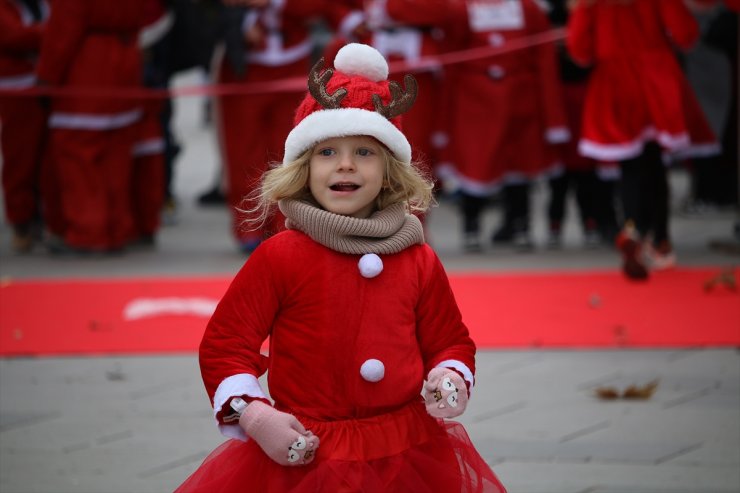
(399, 452)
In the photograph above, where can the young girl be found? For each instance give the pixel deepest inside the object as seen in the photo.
(358, 310)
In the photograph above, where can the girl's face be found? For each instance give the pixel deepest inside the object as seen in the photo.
(346, 175)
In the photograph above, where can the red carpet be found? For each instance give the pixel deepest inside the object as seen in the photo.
(511, 310)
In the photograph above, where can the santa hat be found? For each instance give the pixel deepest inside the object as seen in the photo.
(354, 99)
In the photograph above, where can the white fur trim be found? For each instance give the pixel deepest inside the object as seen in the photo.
(459, 366)
(344, 122)
(628, 150)
(234, 386)
(699, 150)
(233, 431)
(557, 135)
(149, 147)
(350, 23)
(361, 59)
(88, 121)
(20, 81)
(156, 30)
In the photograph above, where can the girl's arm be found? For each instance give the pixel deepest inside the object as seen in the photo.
(442, 335)
(580, 39)
(230, 358)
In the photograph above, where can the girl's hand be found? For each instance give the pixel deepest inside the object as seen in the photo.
(445, 393)
(280, 435)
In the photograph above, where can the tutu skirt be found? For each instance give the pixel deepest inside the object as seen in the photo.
(406, 451)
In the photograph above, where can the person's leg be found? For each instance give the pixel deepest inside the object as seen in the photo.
(605, 209)
(660, 251)
(471, 208)
(585, 184)
(556, 207)
(21, 143)
(116, 168)
(75, 155)
(629, 240)
(515, 227)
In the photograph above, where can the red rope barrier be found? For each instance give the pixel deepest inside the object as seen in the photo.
(293, 84)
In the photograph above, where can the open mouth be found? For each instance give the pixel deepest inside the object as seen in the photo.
(344, 187)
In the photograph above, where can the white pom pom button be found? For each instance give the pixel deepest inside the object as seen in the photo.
(370, 265)
(372, 370)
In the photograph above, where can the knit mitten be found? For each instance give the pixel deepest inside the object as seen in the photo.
(445, 393)
(280, 435)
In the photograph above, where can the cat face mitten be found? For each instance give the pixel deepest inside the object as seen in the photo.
(445, 393)
(280, 435)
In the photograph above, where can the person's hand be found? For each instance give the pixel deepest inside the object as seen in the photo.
(254, 35)
(280, 435)
(445, 393)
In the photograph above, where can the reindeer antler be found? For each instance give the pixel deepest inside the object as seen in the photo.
(401, 100)
(317, 86)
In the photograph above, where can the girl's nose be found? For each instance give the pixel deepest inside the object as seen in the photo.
(346, 162)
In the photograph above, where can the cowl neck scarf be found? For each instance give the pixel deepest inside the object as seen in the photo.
(387, 231)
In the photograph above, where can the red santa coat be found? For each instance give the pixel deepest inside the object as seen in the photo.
(22, 118)
(506, 109)
(253, 127)
(637, 91)
(324, 321)
(94, 44)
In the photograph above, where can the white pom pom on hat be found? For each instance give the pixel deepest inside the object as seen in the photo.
(364, 60)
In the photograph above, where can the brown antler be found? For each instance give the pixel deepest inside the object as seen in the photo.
(401, 101)
(317, 86)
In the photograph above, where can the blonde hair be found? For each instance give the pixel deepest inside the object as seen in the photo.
(403, 183)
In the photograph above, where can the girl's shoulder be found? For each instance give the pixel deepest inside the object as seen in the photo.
(287, 242)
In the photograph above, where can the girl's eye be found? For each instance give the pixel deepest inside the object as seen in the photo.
(326, 152)
(363, 151)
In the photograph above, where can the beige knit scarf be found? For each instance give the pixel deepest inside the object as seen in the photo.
(388, 231)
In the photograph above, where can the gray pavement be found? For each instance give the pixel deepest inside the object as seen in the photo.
(134, 424)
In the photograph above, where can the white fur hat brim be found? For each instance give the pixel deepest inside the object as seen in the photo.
(345, 122)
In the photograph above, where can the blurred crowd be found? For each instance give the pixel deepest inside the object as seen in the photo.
(588, 95)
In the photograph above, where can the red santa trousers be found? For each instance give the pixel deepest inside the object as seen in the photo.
(93, 169)
(21, 138)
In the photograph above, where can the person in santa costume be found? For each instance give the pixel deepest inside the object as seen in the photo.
(251, 127)
(23, 118)
(638, 107)
(358, 310)
(506, 116)
(92, 45)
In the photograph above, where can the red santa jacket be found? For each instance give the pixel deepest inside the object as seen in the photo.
(20, 40)
(637, 90)
(325, 320)
(93, 44)
(497, 23)
(506, 109)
